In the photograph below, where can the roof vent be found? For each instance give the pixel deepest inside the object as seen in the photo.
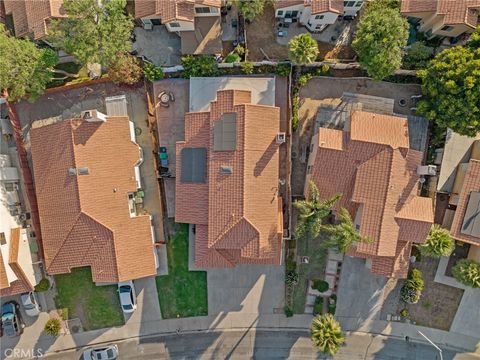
(93, 116)
(72, 171)
(83, 170)
(281, 137)
(226, 170)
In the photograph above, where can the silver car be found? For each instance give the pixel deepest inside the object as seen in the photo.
(128, 298)
(30, 303)
(108, 352)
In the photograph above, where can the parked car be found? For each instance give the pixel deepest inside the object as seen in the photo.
(128, 298)
(30, 303)
(108, 352)
(11, 323)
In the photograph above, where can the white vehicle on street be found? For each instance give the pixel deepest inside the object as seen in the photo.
(107, 352)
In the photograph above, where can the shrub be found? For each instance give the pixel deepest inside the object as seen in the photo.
(203, 65)
(332, 308)
(288, 312)
(417, 56)
(325, 69)
(318, 305)
(438, 243)
(404, 313)
(304, 79)
(467, 272)
(232, 58)
(247, 67)
(63, 313)
(295, 107)
(125, 69)
(291, 278)
(43, 285)
(412, 289)
(283, 69)
(320, 285)
(240, 50)
(52, 327)
(291, 264)
(152, 72)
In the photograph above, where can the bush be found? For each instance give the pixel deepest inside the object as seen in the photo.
(247, 67)
(295, 107)
(291, 278)
(320, 285)
(52, 327)
(291, 264)
(288, 312)
(152, 72)
(232, 58)
(304, 79)
(43, 285)
(404, 313)
(203, 65)
(417, 56)
(240, 50)
(412, 289)
(325, 69)
(125, 69)
(283, 69)
(63, 313)
(467, 272)
(318, 305)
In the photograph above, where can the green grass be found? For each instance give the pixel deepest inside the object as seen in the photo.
(181, 293)
(96, 306)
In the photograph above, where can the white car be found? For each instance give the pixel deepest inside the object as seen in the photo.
(128, 298)
(30, 303)
(108, 352)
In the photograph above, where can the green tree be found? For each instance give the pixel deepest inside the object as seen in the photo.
(467, 272)
(381, 35)
(25, 70)
(326, 334)
(250, 9)
(125, 69)
(438, 243)
(451, 86)
(302, 49)
(417, 56)
(152, 72)
(311, 213)
(343, 234)
(94, 31)
(203, 65)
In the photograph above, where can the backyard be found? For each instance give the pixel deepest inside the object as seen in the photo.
(96, 306)
(181, 293)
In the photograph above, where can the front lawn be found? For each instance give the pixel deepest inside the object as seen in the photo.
(181, 293)
(96, 306)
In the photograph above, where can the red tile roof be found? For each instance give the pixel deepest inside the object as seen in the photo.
(31, 17)
(471, 183)
(85, 219)
(237, 214)
(170, 10)
(454, 11)
(317, 6)
(372, 165)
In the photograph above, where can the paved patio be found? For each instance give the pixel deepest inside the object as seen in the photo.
(158, 45)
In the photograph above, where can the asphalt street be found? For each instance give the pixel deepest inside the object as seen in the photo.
(267, 345)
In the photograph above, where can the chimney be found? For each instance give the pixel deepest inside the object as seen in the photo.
(93, 116)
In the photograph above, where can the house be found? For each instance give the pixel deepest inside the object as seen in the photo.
(227, 179)
(315, 15)
(442, 18)
(459, 179)
(197, 22)
(372, 164)
(87, 176)
(31, 18)
(17, 272)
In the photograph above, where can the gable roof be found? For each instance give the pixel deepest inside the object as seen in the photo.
(373, 168)
(454, 11)
(85, 219)
(170, 10)
(317, 6)
(31, 17)
(237, 211)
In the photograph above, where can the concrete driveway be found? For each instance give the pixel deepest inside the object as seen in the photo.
(360, 293)
(148, 307)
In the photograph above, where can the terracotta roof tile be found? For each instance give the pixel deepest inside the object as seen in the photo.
(171, 10)
(372, 169)
(239, 223)
(321, 6)
(85, 218)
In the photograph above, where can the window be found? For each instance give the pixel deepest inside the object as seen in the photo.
(319, 17)
(359, 3)
(349, 3)
(3, 240)
(174, 24)
(280, 13)
(202, 10)
(309, 169)
(447, 28)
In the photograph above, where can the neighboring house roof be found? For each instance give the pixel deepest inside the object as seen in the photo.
(454, 11)
(170, 10)
(375, 171)
(206, 39)
(317, 6)
(85, 219)
(31, 17)
(466, 221)
(237, 210)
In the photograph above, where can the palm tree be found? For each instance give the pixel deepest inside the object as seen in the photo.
(302, 49)
(344, 234)
(467, 272)
(312, 212)
(326, 333)
(439, 243)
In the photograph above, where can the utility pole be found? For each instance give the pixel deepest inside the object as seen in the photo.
(432, 343)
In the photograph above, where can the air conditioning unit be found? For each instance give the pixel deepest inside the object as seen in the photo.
(147, 26)
(430, 170)
(281, 138)
(93, 116)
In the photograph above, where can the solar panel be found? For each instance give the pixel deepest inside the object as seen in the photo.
(225, 133)
(194, 165)
(471, 220)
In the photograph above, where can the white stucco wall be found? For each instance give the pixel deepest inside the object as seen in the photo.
(184, 26)
(352, 10)
(300, 8)
(328, 18)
